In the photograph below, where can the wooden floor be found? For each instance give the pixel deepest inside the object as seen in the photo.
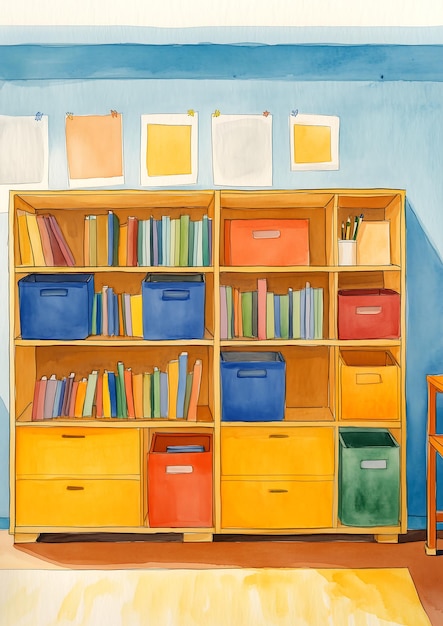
(127, 552)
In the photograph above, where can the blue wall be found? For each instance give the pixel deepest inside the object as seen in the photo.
(391, 135)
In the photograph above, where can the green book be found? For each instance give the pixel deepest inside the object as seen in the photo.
(156, 393)
(147, 395)
(189, 377)
(229, 310)
(90, 394)
(184, 241)
(246, 307)
(177, 243)
(122, 407)
(318, 313)
(191, 243)
(284, 316)
(296, 328)
(269, 315)
(115, 238)
(205, 240)
(94, 315)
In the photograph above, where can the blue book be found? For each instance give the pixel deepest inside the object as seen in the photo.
(303, 314)
(112, 393)
(160, 242)
(182, 372)
(56, 407)
(111, 317)
(99, 313)
(277, 316)
(163, 394)
(154, 243)
(291, 313)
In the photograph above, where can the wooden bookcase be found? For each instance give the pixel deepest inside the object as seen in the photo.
(268, 478)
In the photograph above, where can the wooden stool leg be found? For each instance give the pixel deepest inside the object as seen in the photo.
(431, 543)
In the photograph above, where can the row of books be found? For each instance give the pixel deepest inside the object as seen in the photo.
(172, 394)
(41, 241)
(263, 314)
(117, 314)
(179, 242)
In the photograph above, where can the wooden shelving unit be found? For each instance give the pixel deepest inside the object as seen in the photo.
(290, 486)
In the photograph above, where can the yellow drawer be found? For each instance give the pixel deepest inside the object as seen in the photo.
(263, 451)
(369, 385)
(57, 502)
(77, 451)
(276, 504)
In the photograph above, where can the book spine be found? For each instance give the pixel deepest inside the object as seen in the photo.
(195, 390)
(129, 392)
(182, 371)
(261, 291)
(163, 394)
(147, 395)
(184, 241)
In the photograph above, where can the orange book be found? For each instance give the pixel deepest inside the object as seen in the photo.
(46, 242)
(102, 240)
(26, 255)
(73, 399)
(129, 392)
(35, 239)
(123, 245)
(172, 372)
(195, 390)
(106, 396)
(137, 389)
(80, 397)
(262, 288)
(99, 397)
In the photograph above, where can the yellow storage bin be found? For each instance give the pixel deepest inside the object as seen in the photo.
(88, 503)
(69, 451)
(275, 504)
(369, 385)
(263, 451)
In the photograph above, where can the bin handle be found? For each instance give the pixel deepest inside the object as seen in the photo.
(179, 469)
(368, 310)
(176, 294)
(368, 379)
(278, 436)
(374, 464)
(75, 488)
(252, 373)
(53, 293)
(278, 490)
(73, 436)
(266, 234)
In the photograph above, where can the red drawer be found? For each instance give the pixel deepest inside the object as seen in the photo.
(180, 483)
(267, 242)
(368, 314)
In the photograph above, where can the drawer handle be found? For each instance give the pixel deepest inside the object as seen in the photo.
(368, 310)
(176, 294)
(53, 293)
(73, 436)
(74, 488)
(179, 469)
(251, 374)
(278, 491)
(378, 464)
(266, 234)
(368, 379)
(278, 436)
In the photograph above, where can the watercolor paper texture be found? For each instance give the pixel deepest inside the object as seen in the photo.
(23, 154)
(314, 142)
(94, 150)
(242, 150)
(169, 149)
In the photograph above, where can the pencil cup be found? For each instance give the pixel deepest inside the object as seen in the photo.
(347, 252)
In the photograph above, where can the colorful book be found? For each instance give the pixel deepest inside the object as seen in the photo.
(120, 325)
(132, 241)
(254, 314)
(270, 315)
(112, 384)
(277, 316)
(156, 393)
(137, 388)
(155, 255)
(80, 397)
(261, 301)
(236, 295)
(291, 307)
(223, 313)
(102, 240)
(106, 395)
(128, 314)
(65, 249)
(296, 299)
(191, 238)
(72, 399)
(182, 371)
(205, 240)
(61, 396)
(189, 377)
(147, 395)
(246, 298)
(172, 371)
(46, 242)
(58, 391)
(309, 331)
(67, 395)
(177, 243)
(129, 392)
(184, 240)
(123, 245)
(303, 314)
(172, 241)
(99, 313)
(229, 311)
(86, 244)
(284, 316)
(99, 397)
(113, 238)
(104, 316)
(137, 315)
(163, 394)
(59, 259)
(37, 403)
(35, 239)
(26, 256)
(199, 245)
(110, 309)
(195, 390)
(140, 243)
(318, 309)
(94, 315)
(90, 394)
(51, 388)
(122, 404)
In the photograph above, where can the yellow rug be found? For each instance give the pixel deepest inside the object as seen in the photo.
(217, 597)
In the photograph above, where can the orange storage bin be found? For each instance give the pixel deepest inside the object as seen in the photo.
(180, 482)
(267, 242)
(369, 385)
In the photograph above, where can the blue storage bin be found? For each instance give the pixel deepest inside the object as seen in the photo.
(173, 306)
(56, 306)
(253, 386)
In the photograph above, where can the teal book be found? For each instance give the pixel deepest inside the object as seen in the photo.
(184, 240)
(156, 412)
(205, 240)
(94, 316)
(181, 393)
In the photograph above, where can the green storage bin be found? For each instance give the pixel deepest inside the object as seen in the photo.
(369, 477)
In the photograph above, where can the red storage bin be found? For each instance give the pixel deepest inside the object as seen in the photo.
(368, 314)
(267, 242)
(180, 483)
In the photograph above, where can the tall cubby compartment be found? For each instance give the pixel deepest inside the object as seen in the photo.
(276, 477)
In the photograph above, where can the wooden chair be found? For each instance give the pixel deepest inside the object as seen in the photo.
(434, 447)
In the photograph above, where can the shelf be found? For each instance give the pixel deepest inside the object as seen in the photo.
(298, 269)
(27, 269)
(117, 342)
